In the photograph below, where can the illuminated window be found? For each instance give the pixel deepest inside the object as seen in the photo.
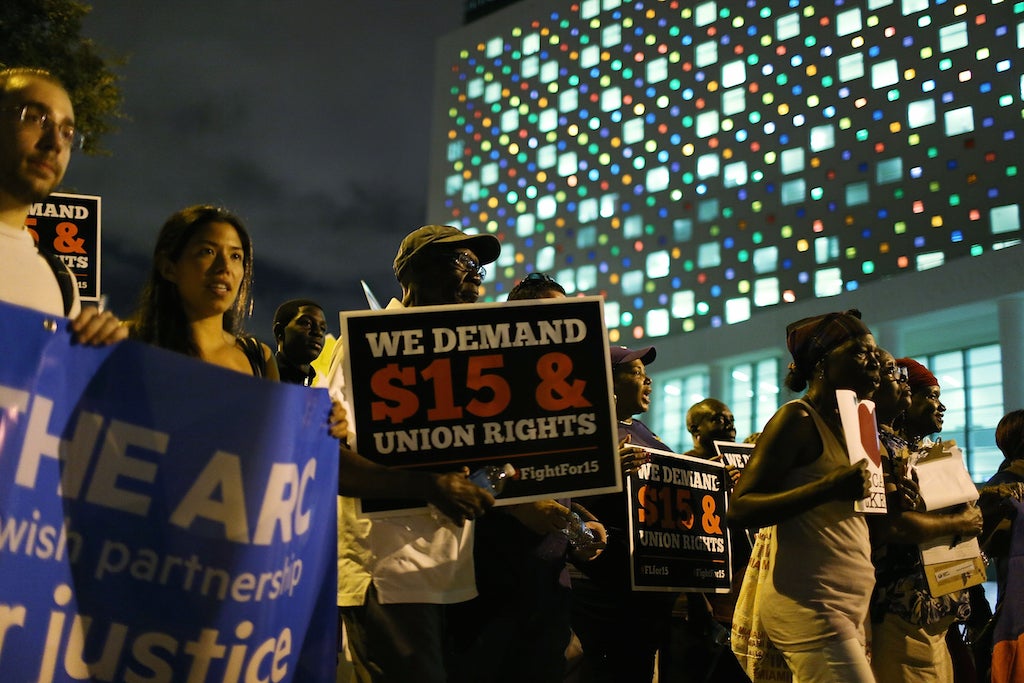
(794, 191)
(656, 322)
(489, 174)
(546, 259)
(683, 304)
(704, 14)
(787, 26)
(828, 282)
(633, 227)
(707, 166)
(735, 174)
(851, 67)
(657, 179)
(959, 121)
(611, 99)
(848, 22)
(826, 249)
(766, 291)
(737, 310)
(857, 193)
(632, 282)
(707, 124)
(569, 100)
(658, 263)
(568, 164)
(709, 255)
(792, 160)
(586, 237)
(885, 74)
(611, 311)
(929, 260)
(733, 74)
(753, 395)
(921, 113)
(682, 229)
(673, 396)
(706, 53)
(953, 37)
(889, 171)
(586, 279)
(766, 259)
(733, 101)
(1005, 218)
(822, 138)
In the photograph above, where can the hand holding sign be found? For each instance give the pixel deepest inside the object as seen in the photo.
(632, 457)
(852, 482)
(861, 435)
(459, 498)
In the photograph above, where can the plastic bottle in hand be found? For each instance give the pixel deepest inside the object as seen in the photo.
(492, 478)
(578, 533)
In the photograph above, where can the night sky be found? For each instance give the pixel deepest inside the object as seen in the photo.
(309, 119)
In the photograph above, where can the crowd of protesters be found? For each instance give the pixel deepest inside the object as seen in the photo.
(837, 594)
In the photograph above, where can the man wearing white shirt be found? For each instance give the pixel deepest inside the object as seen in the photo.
(395, 575)
(37, 135)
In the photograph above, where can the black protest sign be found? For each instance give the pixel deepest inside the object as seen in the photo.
(679, 540)
(527, 383)
(734, 453)
(68, 225)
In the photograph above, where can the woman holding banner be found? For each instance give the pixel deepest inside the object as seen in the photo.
(800, 484)
(199, 292)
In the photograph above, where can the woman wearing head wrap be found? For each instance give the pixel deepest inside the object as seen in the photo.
(926, 412)
(800, 480)
(909, 624)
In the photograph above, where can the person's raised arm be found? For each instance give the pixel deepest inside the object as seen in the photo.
(790, 440)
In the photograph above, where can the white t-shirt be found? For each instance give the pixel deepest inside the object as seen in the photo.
(409, 557)
(25, 276)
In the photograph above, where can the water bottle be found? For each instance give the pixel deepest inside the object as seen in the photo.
(492, 478)
(578, 533)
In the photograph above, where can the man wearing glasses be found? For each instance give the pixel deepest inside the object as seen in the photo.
(395, 575)
(37, 136)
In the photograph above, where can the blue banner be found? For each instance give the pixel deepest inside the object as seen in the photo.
(161, 519)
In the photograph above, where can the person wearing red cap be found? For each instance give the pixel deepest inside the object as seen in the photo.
(926, 412)
(799, 482)
(909, 624)
(602, 600)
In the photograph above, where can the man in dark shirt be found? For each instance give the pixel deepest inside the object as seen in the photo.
(299, 328)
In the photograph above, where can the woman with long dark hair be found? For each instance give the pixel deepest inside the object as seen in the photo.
(199, 292)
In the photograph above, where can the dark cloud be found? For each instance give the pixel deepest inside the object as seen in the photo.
(309, 119)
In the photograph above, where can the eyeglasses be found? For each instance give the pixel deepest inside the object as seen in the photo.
(639, 374)
(896, 372)
(538, 277)
(468, 263)
(34, 116)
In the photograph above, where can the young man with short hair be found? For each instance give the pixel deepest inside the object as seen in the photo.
(299, 328)
(37, 135)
